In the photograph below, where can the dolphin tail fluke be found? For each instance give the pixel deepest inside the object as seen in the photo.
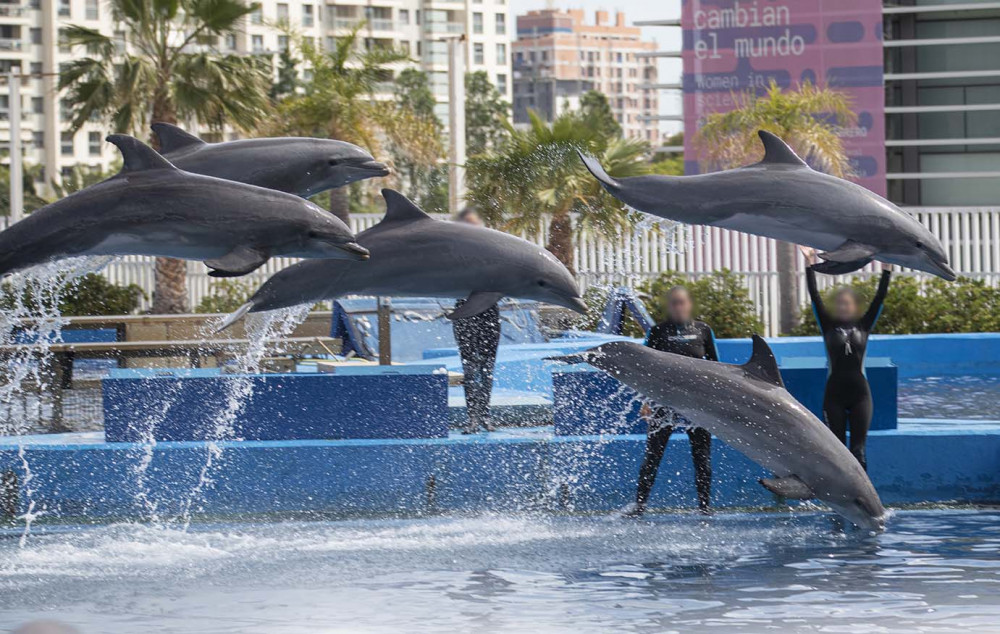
(595, 168)
(235, 317)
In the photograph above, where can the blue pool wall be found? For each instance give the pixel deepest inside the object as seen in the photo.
(499, 472)
(523, 368)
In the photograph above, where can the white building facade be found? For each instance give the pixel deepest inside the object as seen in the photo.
(29, 40)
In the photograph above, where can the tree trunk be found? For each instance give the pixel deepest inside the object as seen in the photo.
(340, 204)
(788, 288)
(170, 280)
(561, 238)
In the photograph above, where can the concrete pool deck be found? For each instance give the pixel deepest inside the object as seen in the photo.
(75, 475)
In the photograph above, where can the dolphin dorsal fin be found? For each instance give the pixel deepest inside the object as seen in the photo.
(762, 364)
(399, 208)
(173, 138)
(777, 152)
(137, 156)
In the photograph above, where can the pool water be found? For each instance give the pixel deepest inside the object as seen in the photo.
(974, 397)
(931, 571)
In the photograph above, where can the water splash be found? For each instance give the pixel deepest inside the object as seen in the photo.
(264, 332)
(29, 327)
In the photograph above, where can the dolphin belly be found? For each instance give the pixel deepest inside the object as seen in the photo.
(159, 244)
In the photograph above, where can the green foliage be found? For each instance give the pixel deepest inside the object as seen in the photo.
(91, 294)
(413, 92)
(288, 75)
(486, 122)
(538, 173)
(596, 112)
(172, 68)
(32, 200)
(806, 119)
(226, 296)
(916, 306)
(720, 300)
(82, 176)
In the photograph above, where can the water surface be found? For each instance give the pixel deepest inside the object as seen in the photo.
(932, 571)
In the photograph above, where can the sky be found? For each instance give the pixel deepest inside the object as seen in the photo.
(668, 38)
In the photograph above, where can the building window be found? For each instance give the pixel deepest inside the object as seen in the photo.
(477, 22)
(404, 46)
(257, 16)
(66, 144)
(36, 68)
(231, 41)
(94, 143)
(404, 16)
(258, 43)
(283, 42)
(64, 46)
(64, 9)
(93, 10)
(36, 36)
(501, 24)
(477, 53)
(501, 53)
(307, 15)
(38, 139)
(65, 109)
(502, 83)
(283, 11)
(38, 105)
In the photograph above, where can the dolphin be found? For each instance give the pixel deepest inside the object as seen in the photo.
(414, 255)
(152, 208)
(783, 198)
(749, 408)
(296, 165)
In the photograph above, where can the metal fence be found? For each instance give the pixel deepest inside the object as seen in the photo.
(971, 236)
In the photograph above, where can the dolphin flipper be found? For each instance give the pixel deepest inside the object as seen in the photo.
(235, 317)
(839, 268)
(850, 251)
(790, 487)
(239, 261)
(477, 302)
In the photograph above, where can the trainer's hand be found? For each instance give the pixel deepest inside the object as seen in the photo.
(886, 266)
(645, 411)
(810, 254)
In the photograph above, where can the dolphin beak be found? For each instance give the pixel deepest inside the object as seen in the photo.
(354, 251)
(375, 167)
(945, 271)
(576, 304)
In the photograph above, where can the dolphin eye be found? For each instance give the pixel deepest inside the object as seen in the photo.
(541, 282)
(333, 162)
(312, 234)
(920, 245)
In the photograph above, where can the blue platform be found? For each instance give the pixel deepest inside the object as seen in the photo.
(79, 474)
(409, 401)
(588, 401)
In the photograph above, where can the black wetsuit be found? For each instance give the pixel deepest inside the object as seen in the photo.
(847, 401)
(692, 339)
(478, 337)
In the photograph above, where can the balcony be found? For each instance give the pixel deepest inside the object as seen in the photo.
(444, 27)
(12, 11)
(375, 24)
(11, 44)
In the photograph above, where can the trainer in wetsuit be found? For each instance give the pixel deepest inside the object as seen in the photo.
(477, 337)
(681, 335)
(847, 402)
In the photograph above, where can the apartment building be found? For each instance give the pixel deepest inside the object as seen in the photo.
(558, 57)
(29, 40)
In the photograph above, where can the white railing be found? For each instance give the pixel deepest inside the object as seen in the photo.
(971, 237)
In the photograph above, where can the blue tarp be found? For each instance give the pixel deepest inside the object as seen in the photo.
(419, 324)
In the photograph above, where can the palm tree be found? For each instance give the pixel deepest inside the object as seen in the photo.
(537, 174)
(169, 68)
(339, 101)
(807, 119)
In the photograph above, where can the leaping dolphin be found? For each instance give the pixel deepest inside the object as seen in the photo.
(414, 255)
(783, 198)
(153, 208)
(749, 408)
(296, 165)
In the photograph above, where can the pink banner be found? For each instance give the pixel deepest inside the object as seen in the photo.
(731, 46)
